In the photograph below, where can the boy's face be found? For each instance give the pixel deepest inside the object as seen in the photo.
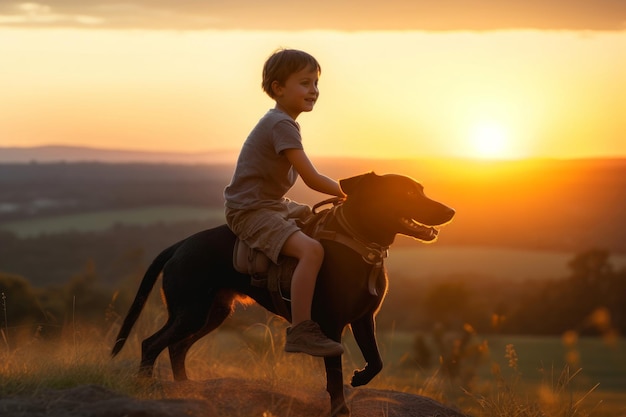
(299, 93)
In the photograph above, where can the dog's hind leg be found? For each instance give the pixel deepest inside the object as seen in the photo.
(221, 309)
(150, 350)
(183, 323)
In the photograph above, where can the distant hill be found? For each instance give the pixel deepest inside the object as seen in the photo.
(569, 205)
(87, 154)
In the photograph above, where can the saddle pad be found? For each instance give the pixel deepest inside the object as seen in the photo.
(249, 261)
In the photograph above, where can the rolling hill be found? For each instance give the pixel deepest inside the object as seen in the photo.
(568, 205)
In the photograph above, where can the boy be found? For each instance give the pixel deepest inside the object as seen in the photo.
(270, 161)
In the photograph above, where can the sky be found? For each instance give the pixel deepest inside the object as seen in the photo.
(400, 78)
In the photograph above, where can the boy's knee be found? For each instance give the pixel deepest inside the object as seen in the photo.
(317, 250)
(313, 251)
(303, 247)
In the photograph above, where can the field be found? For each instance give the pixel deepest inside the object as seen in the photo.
(417, 259)
(485, 375)
(512, 264)
(597, 379)
(103, 220)
(538, 384)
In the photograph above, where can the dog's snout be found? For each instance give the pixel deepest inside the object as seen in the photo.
(449, 213)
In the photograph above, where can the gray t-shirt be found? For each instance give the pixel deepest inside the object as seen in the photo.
(264, 174)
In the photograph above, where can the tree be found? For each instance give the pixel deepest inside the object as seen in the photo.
(590, 300)
(448, 302)
(19, 306)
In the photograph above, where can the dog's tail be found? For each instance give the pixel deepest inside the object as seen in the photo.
(147, 283)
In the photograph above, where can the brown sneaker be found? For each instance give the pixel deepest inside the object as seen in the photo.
(307, 337)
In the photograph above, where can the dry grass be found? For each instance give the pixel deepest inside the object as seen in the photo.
(82, 356)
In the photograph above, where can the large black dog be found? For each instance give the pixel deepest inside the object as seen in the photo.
(200, 284)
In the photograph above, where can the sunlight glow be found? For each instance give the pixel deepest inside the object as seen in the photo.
(493, 95)
(490, 140)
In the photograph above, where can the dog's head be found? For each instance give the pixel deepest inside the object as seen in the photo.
(382, 206)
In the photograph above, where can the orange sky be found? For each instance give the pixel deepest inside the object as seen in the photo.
(416, 79)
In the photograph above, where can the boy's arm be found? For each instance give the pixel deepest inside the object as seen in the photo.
(309, 174)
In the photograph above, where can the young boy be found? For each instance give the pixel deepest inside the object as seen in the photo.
(270, 161)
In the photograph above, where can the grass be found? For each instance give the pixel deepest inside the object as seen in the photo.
(41, 364)
(81, 357)
(504, 376)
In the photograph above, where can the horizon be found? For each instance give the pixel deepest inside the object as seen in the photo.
(50, 153)
(522, 80)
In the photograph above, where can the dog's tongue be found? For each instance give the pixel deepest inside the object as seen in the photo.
(419, 231)
(431, 232)
(428, 233)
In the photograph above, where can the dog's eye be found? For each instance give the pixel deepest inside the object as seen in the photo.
(414, 192)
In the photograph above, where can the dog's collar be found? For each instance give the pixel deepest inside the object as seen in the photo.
(372, 252)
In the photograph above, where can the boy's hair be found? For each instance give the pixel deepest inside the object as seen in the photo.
(284, 62)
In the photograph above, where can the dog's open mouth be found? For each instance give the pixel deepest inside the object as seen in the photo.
(418, 231)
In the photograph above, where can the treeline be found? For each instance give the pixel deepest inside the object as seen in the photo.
(46, 312)
(591, 300)
(118, 252)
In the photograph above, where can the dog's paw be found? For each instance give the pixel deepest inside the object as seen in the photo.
(363, 376)
(359, 378)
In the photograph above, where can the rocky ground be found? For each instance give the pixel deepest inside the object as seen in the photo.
(225, 397)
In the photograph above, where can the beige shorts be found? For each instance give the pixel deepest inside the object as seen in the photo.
(267, 229)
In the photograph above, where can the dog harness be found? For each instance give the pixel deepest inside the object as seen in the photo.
(372, 253)
(266, 274)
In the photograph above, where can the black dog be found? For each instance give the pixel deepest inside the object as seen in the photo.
(200, 284)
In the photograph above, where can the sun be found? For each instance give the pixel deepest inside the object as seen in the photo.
(489, 140)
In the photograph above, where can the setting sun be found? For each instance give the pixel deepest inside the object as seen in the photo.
(490, 140)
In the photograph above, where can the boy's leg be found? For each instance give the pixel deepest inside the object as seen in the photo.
(305, 335)
(310, 255)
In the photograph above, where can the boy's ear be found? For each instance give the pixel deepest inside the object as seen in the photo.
(276, 88)
(349, 185)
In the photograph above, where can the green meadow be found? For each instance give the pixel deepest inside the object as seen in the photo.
(103, 220)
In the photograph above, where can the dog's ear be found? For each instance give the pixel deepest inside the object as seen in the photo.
(348, 185)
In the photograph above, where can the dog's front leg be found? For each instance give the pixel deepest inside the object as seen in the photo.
(365, 336)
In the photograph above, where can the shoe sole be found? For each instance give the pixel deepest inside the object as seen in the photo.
(314, 352)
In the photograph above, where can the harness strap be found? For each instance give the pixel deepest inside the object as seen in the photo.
(315, 226)
(372, 255)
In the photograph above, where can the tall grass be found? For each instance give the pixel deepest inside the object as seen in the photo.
(5, 329)
(508, 397)
(82, 356)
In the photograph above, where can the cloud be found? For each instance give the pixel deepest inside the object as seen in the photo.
(344, 15)
(36, 14)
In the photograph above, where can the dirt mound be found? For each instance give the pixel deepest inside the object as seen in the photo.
(227, 397)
